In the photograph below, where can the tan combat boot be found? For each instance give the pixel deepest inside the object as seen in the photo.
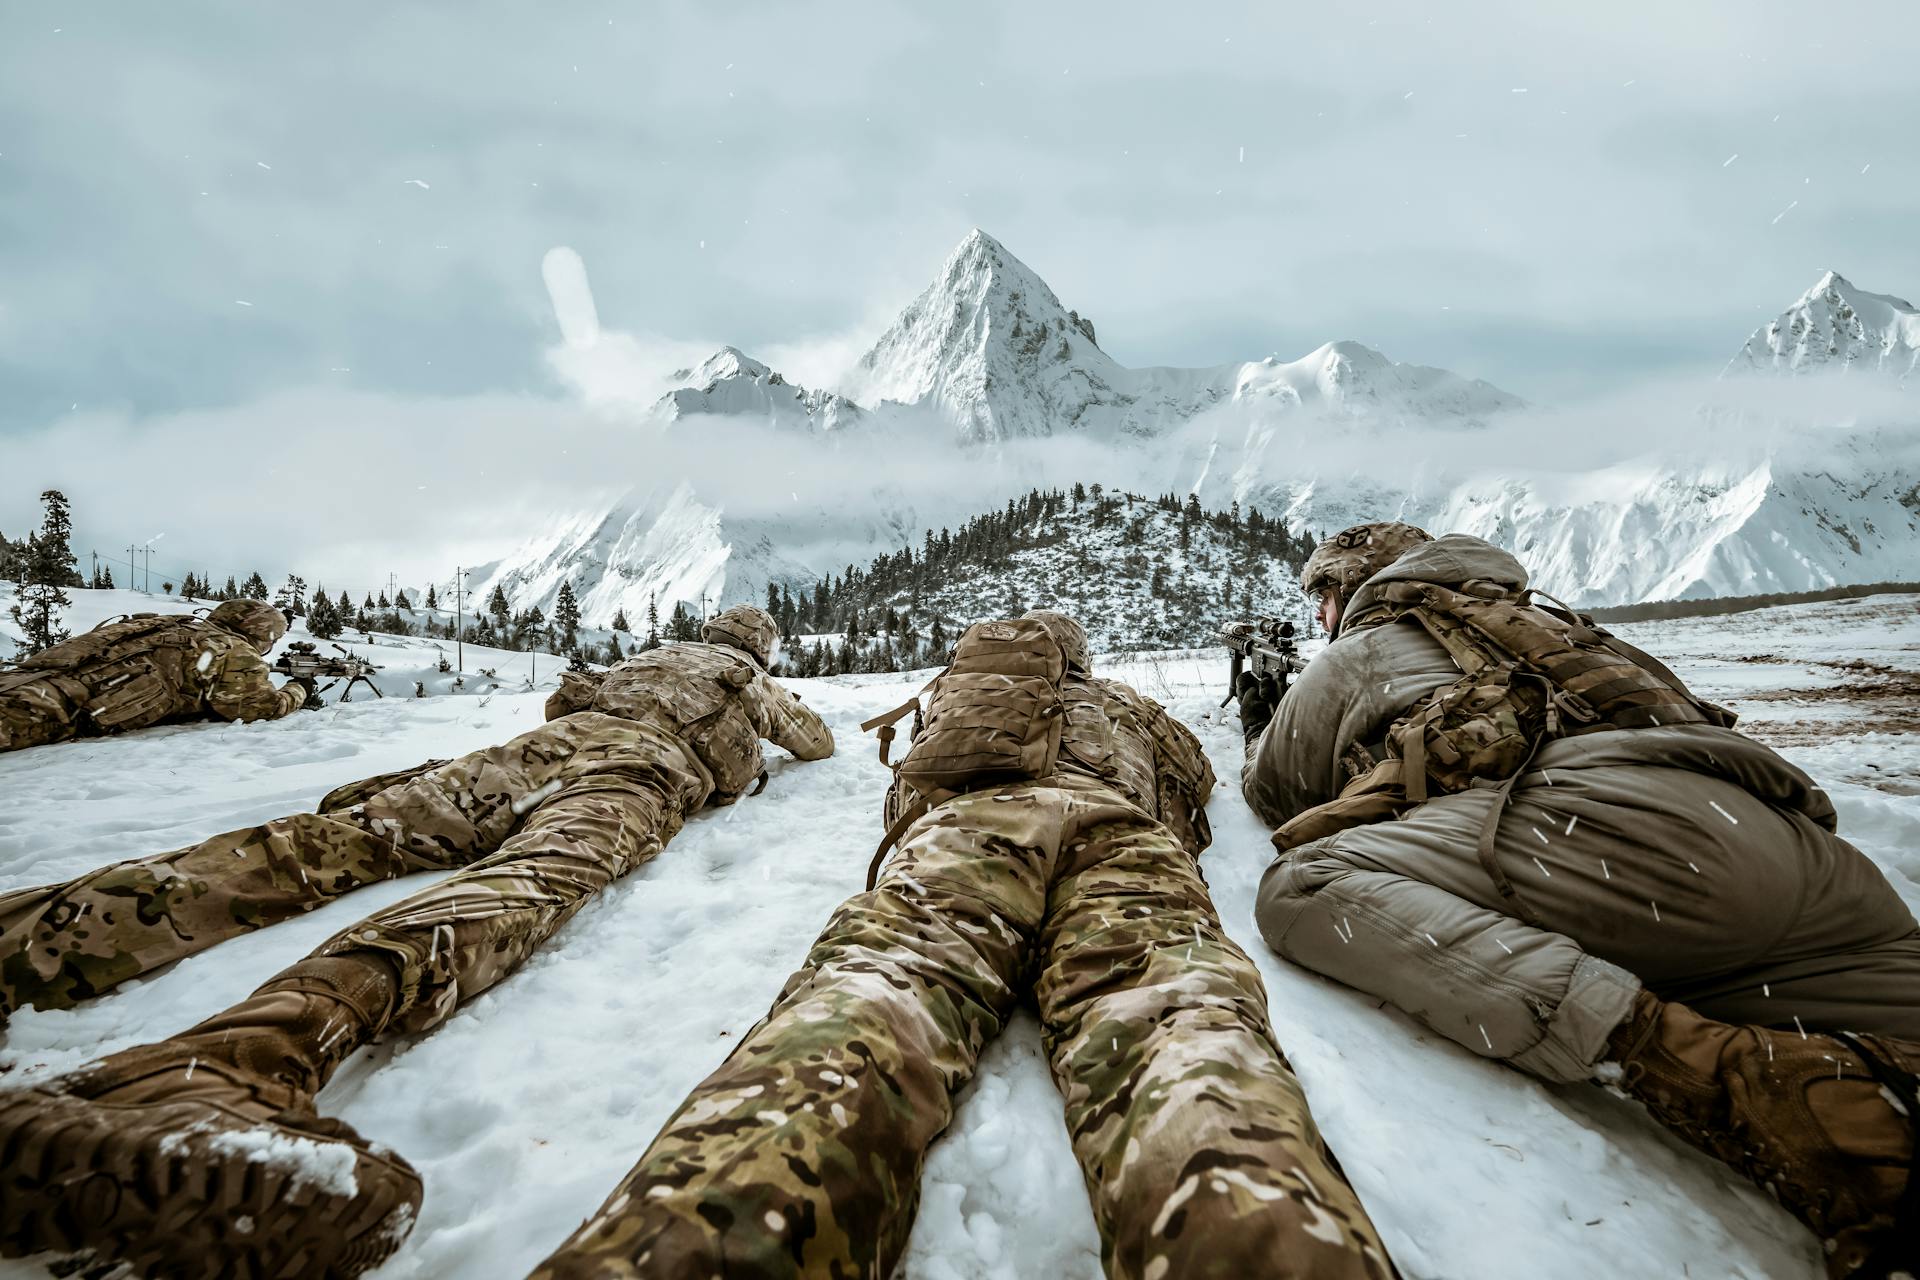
(202, 1154)
(1824, 1123)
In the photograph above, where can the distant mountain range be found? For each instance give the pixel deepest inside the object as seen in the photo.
(988, 368)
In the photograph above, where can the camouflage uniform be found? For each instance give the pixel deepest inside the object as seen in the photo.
(802, 1154)
(1684, 889)
(145, 670)
(144, 1156)
(538, 825)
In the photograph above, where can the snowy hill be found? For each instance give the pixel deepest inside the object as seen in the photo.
(1835, 325)
(1139, 572)
(991, 347)
(665, 546)
(529, 1103)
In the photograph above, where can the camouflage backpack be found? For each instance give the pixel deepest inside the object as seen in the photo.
(994, 715)
(110, 674)
(1530, 673)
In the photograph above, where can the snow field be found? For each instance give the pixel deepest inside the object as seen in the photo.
(526, 1106)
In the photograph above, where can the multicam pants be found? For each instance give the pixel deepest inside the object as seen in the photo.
(801, 1155)
(538, 826)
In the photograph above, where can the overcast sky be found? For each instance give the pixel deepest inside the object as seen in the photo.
(205, 205)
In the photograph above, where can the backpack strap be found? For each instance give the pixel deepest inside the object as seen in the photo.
(1585, 628)
(1490, 857)
(915, 811)
(885, 722)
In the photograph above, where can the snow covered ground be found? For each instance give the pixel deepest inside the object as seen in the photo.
(523, 1109)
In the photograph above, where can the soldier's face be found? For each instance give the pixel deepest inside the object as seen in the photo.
(1327, 610)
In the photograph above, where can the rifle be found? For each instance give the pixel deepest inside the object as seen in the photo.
(304, 662)
(1266, 647)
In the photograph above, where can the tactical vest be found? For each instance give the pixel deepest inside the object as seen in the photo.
(1530, 673)
(699, 689)
(993, 716)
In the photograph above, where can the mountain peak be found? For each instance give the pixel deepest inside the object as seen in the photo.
(988, 345)
(727, 362)
(1837, 325)
(732, 382)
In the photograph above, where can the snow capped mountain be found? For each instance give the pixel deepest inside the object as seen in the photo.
(1353, 380)
(660, 545)
(1841, 506)
(730, 382)
(1835, 325)
(1661, 531)
(989, 352)
(991, 347)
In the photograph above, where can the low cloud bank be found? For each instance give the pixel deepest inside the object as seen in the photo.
(346, 487)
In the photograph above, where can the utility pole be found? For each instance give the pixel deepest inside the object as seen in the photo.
(96, 570)
(130, 578)
(459, 618)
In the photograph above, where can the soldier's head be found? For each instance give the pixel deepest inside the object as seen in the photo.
(747, 628)
(1339, 565)
(258, 621)
(1068, 634)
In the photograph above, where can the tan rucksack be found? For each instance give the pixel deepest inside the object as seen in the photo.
(1530, 673)
(110, 673)
(993, 716)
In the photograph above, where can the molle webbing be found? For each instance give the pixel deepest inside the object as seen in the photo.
(1595, 684)
(107, 642)
(993, 716)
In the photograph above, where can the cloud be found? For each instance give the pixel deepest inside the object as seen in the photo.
(737, 192)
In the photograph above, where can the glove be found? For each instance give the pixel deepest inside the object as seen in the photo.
(1259, 698)
(309, 691)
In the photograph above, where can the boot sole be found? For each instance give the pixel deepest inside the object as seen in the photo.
(154, 1185)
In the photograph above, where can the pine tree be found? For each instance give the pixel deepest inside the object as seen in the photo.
(255, 588)
(106, 578)
(323, 620)
(653, 623)
(48, 566)
(620, 620)
(566, 616)
(499, 608)
(383, 602)
(433, 597)
(291, 599)
(400, 601)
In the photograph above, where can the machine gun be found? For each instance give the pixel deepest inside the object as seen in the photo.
(304, 662)
(1265, 647)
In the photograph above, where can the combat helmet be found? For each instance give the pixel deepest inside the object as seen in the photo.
(1353, 555)
(745, 627)
(1068, 634)
(258, 621)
